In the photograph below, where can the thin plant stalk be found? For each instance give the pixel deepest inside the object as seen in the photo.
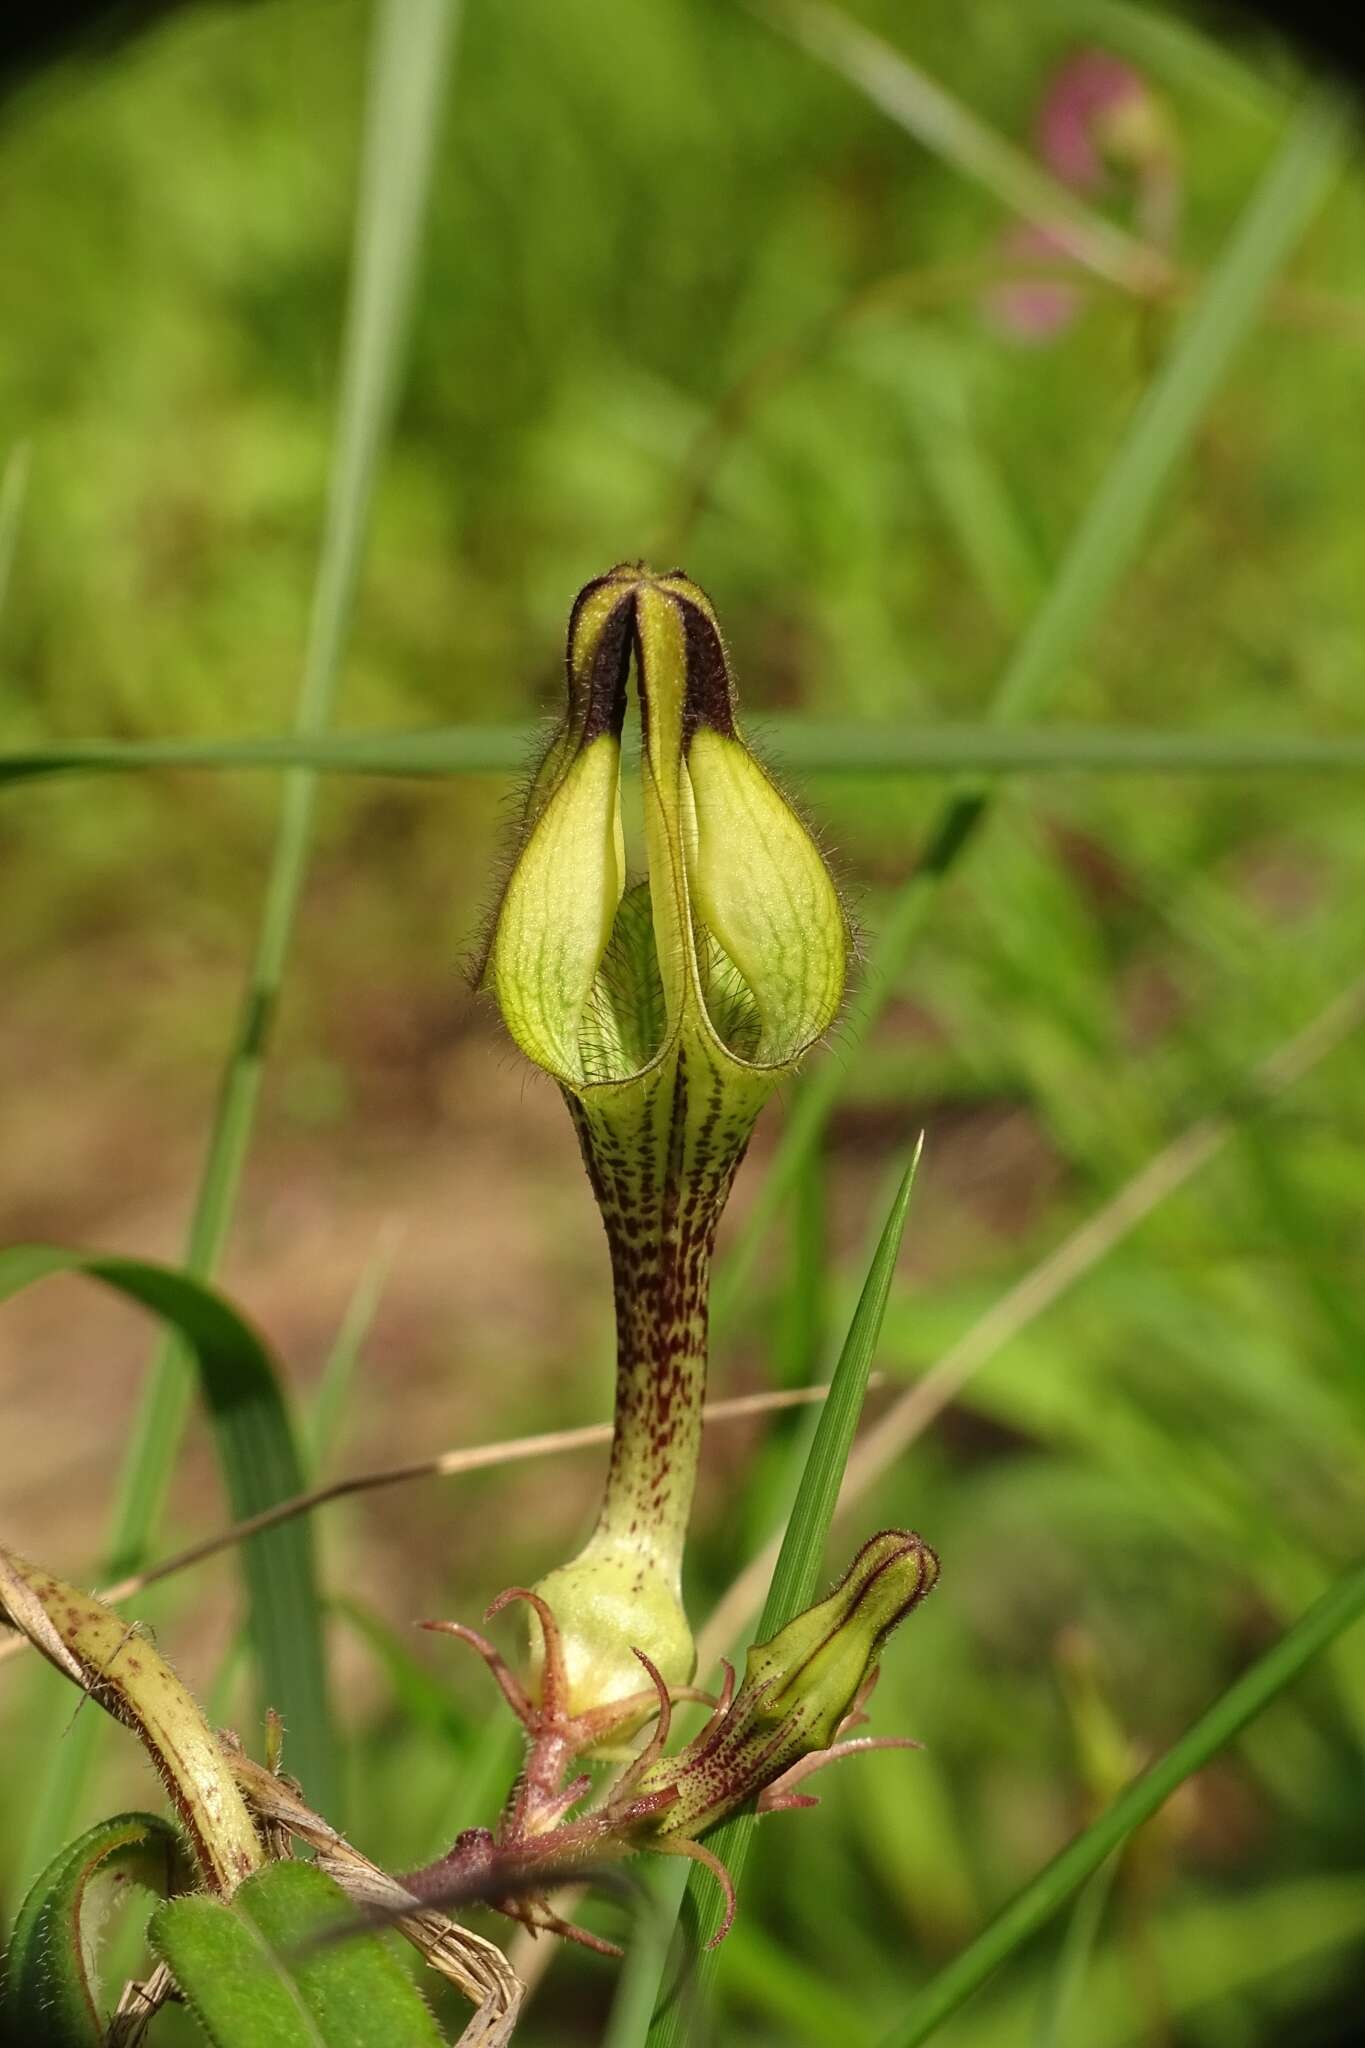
(13, 486)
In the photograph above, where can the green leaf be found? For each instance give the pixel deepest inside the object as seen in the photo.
(1033, 1907)
(256, 1976)
(260, 1463)
(796, 1577)
(51, 1992)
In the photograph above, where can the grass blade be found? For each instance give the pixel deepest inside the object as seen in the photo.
(330, 1400)
(260, 1463)
(813, 746)
(797, 1572)
(407, 70)
(846, 749)
(795, 1578)
(1078, 1254)
(1033, 1907)
(1103, 548)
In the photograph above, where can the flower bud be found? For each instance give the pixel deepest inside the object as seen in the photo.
(737, 936)
(798, 1689)
(816, 1666)
(667, 1010)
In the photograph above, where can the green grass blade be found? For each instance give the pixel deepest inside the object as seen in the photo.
(797, 1572)
(260, 1462)
(329, 1404)
(1033, 1907)
(794, 1582)
(407, 70)
(1104, 546)
(812, 746)
(651, 1938)
(1165, 421)
(846, 749)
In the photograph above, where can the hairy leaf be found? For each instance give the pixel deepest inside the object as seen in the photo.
(51, 1992)
(256, 1975)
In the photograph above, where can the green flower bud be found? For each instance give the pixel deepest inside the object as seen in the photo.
(798, 1690)
(667, 1011)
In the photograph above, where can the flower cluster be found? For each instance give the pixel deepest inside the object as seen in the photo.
(802, 1692)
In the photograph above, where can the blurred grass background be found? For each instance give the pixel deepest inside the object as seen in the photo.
(636, 211)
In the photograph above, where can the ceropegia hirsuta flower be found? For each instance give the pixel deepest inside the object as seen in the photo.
(667, 1010)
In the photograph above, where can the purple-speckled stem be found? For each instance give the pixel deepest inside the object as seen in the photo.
(661, 1184)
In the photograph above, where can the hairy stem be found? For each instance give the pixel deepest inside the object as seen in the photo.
(661, 1188)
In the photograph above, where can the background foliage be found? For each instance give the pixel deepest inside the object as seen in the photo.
(633, 210)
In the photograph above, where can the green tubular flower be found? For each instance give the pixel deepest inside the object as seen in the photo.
(667, 1011)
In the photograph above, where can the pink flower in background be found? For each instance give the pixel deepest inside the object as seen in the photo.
(1103, 133)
